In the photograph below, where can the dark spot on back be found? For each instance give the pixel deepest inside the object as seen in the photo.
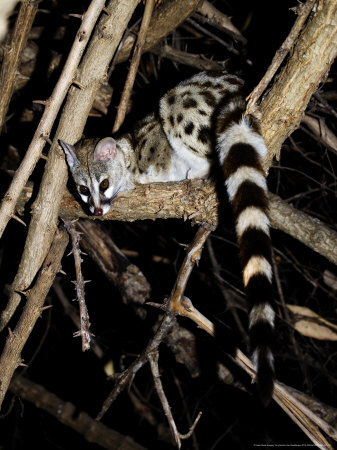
(189, 128)
(204, 134)
(189, 103)
(202, 112)
(171, 119)
(234, 80)
(209, 98)
(179, 118)
(171, 99)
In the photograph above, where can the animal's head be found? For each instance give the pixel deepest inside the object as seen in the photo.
(98, 171)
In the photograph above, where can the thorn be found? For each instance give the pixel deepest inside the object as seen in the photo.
(10, 333)
(41, 102)
(77, 333)
(46, 138)
(157, 305)
(78, 84)
(62, 272)
(25, 293)
(45, 307)
(44, 157)
(19, 220)
(22, 364)
(77, 16)
(87, 281)
(70, 253)
(106, 11)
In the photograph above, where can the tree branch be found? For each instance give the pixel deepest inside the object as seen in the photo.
(11, 356)
(315, 50)
(81, 422)
(196, 200)
(53, 105)
(45, 209)
(12, 54)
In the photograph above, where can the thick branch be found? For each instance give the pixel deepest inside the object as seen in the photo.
(196, 200)
(91, 430)
(11, 355)
(53, 105)
(46, 207)
(164, 20)
(13, 54)
(312, 56)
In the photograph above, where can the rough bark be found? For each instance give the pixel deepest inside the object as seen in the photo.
(66, 413)
(46, 207)
(315, 50)
(11, 356)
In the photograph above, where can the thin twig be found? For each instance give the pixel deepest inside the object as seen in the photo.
(72, 313)
(178, 303)
(125, 377)
(153, 358)
(134, 66)
(229, 47)
(217, 18)
(79, 283)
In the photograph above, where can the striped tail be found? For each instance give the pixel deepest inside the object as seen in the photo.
(241, 149)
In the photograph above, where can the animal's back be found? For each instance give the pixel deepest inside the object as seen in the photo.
(204, 114)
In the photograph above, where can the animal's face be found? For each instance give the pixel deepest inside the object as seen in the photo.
(97, 172)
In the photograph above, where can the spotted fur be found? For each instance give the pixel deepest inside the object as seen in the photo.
(200, 117)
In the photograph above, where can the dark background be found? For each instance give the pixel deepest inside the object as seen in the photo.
(232, 418)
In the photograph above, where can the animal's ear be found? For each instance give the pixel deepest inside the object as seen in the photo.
(105, 150)
(69, 151)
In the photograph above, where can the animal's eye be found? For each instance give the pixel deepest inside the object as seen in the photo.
(84, 190)
(104, 185)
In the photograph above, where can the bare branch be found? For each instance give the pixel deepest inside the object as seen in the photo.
(11, 356)
(216, 17)
(63, 411)
(164, 20)
(46, 207)
(84, 315)
(128, 278)
(303, 11)
(315, 50)
(12, 54)
(52, 108)
(153, 359)
(137, 53)
(72, 313)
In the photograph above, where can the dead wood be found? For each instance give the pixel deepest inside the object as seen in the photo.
(10, 358)
(133, 286)
(64, 411)
(46, 207)
(315, 50)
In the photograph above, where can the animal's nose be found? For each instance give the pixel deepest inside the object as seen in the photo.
(98, 212)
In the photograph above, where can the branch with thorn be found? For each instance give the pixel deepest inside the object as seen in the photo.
(79, 283)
